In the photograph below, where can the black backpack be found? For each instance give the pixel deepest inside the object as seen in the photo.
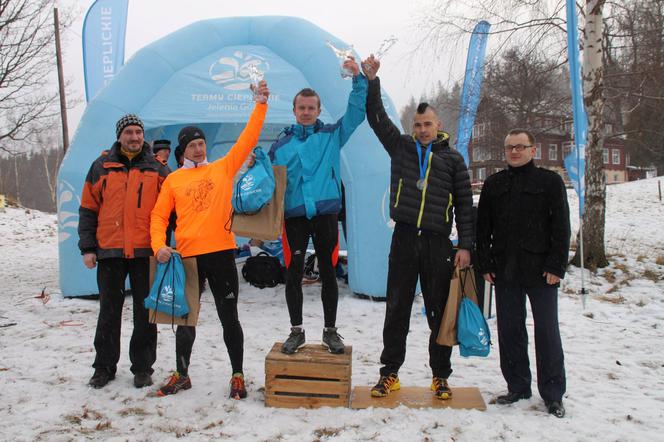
(263, 271)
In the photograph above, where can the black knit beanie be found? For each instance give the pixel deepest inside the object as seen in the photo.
(127, 120)
(189, 134)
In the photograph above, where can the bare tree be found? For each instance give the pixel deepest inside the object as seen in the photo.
(542, 24)
(28, 92)
(526, 84)
(634, 56)
(593, 91)
(52, 157)
(519, 88)
(406, 114)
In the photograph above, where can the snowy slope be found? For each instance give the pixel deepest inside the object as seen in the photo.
(614, 356)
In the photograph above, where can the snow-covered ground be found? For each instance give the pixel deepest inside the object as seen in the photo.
(614, 355)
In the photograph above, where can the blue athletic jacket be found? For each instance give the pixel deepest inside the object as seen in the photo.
(311, 154)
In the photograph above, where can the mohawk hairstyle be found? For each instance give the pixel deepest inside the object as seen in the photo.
(422, 108)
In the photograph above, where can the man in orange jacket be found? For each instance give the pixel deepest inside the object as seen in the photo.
(200, 193)
(119, 192)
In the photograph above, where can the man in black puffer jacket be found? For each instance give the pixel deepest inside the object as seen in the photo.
(430, 187)
(523, 235)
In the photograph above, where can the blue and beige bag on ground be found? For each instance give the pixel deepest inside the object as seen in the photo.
(167, 292)
(473, 332)
(255, 187)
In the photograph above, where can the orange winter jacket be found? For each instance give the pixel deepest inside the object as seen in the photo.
(117, 199)
(201, 198)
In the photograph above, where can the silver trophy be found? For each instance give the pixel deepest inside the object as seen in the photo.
(343, 55)
(385, 46)
(256, 76)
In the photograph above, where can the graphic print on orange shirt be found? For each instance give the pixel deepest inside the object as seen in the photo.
(199, 192)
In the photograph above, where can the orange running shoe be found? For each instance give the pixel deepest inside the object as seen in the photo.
(174, 384)
(238, 390)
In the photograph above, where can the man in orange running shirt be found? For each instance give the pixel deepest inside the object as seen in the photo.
(200, 193)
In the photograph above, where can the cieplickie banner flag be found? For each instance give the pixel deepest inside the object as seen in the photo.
(104, 30)
(472, 86)
(575, 162)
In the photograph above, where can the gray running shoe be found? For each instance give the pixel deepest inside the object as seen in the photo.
(294, 342)
(332, 340)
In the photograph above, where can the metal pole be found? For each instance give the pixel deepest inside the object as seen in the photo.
(584, 293)
(61, 83)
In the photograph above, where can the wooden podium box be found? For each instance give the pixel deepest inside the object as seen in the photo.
(311, 378)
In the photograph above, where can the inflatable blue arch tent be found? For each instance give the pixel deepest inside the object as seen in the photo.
(198, 75)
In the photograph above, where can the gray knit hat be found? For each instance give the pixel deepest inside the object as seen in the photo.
(127, 120)
(158, 145)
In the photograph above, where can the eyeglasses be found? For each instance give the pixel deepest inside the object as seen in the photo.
(518, 147)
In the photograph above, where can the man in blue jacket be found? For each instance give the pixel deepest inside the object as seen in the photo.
(311, 150)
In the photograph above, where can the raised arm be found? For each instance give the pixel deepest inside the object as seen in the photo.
(250, 134)
(386, 131)
(356, 109)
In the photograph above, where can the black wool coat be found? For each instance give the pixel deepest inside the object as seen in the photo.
(523, 227)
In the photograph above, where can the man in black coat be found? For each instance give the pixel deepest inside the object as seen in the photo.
(430, 187)
(523, 235)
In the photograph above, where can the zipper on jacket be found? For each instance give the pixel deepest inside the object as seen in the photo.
(424, 192)
(103, 189)
(140, 193)
(447, 211)
(396, 202)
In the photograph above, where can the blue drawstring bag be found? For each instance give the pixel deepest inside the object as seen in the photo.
(473, 331)
(255, 187)
(167, 292)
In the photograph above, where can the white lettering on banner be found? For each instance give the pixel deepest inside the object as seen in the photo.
(207, 97)
(106, 21)
(240, 97)
(246, 98)
(218, 107)
(107, 47)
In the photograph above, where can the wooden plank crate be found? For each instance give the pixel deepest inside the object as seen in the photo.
(311, 378)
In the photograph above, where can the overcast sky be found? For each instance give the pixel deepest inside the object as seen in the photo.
(364, 24)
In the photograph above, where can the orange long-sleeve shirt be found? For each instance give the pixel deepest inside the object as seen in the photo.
(201, 197)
